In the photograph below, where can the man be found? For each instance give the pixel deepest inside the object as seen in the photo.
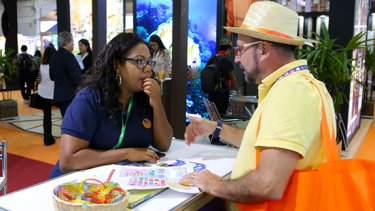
(285, 128)
(25, 65)
(65, 71)
(221, 97)
(227, 79)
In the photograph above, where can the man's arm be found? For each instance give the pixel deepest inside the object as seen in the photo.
(73, 70)
(205, 127)
(232, 135)
(267, 182)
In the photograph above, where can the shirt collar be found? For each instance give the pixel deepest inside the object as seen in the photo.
(272, 78)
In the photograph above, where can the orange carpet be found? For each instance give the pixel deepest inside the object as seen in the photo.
(367, 148)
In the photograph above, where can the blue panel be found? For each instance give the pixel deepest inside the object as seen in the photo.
(155, 17)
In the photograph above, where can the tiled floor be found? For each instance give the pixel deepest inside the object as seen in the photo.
(34, 122)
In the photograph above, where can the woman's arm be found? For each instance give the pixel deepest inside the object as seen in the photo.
(162, 130)
(75, 154)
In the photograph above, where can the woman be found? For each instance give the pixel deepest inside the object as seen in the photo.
(37, 59)
(84, 54)
(45, 91)
(160, 54)
(118, 112)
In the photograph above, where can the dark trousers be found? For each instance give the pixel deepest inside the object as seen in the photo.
(63, 106)
(47, 122)
(25, 78)
(221, 100)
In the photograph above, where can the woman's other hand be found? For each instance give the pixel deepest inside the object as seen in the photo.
(140, 154)
(152, 89)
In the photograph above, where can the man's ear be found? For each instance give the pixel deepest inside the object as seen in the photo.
(266, 47)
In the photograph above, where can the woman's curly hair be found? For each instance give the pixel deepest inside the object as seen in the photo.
(103, 74)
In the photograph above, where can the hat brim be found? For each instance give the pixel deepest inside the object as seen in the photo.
(297, 41)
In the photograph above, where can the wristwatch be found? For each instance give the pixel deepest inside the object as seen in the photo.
(218, 129)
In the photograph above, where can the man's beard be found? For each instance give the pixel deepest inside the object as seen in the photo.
(252, 76)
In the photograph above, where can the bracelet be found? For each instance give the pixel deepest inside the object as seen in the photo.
(218, 129)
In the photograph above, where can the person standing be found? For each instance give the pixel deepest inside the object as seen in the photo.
(25, 65)
(85, 54)
(160, 54)
(221, 97)
(37, 58)
(285, 130)
(227, 80)
(45, 91)
(64, 71)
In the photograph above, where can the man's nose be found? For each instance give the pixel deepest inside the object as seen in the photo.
(237, 59)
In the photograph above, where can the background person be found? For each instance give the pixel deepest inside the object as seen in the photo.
(118, 112)
(37, 58)
(221, 97)
(64, 71)
(286, 126)
(25, 65)
(85, 54)
(161, 55)
(45, 91)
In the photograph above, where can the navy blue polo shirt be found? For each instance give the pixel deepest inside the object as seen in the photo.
(87, 119)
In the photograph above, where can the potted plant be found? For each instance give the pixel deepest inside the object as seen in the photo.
(8, 106)
(332, 63)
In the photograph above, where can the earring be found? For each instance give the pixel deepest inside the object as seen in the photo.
(119, 80)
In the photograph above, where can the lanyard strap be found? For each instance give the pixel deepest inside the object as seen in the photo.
(293, 70)
(123, 126)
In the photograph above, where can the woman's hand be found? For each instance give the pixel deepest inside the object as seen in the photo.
(152, 89)
(141, 154)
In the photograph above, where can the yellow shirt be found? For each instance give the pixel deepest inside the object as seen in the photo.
(291, 111)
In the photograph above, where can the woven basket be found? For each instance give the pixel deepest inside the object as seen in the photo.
(61, 205)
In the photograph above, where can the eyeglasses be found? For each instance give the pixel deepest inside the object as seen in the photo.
(141, 63)
(238, 50)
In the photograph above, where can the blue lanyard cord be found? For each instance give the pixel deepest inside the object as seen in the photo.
(123, 126)
(296, 69)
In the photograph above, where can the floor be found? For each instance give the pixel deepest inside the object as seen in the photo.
(27, 144)
(30, 145)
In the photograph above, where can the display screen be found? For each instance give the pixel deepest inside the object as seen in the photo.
(115, 18)
(81, 21)
(155, 17)
(356, 90)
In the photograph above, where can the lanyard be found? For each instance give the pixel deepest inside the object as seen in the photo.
(123, 126)
(296, 69)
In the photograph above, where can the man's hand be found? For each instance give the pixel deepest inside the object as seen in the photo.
(205, 180)
(198, 127)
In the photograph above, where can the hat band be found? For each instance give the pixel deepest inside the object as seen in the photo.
(266, 31)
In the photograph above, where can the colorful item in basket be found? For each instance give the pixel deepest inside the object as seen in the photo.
(90, 191)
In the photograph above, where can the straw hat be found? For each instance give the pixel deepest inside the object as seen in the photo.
(270, 21)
